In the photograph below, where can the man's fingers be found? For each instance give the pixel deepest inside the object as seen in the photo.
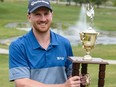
(74, 78)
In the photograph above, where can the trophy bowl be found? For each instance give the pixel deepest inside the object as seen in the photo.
(88, 39)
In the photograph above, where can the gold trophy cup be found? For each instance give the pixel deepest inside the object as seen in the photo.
(88, 39)
(89, 36)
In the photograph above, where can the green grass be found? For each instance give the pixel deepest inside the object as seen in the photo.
(4, 80)
(15, 12)
(11, 12)
(92, 69)
(3, 46)
(65, 14)
(105, 19)
(100, 51)
(104, 52)
(10, 33)
(109, 75)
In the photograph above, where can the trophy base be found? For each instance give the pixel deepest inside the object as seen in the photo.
(87, 57)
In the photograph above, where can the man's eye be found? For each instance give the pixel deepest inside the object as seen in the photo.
(37, 14)
(47, 13)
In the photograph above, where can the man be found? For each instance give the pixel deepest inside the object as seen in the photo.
(40, 58)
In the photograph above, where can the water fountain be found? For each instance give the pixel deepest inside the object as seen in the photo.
(88, 37)
(82, 25)
(72, 33)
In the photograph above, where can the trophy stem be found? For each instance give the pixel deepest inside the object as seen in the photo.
(87, 56)
(87, 52)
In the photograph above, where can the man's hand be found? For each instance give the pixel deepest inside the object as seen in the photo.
(73, 82)
(85, 80)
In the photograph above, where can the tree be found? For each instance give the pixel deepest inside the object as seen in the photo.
(76, 1)
(68, 2)
(81, 1)
(1, 0)
(98, 2)
(114, 2)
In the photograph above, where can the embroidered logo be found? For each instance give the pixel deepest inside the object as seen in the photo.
(33, 3)
(60, 58)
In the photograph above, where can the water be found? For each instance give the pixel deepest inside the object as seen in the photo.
(72, 33)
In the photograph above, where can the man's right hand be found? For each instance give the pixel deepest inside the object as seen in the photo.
(73, 82)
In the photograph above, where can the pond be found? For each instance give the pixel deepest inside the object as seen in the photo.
(72, 33)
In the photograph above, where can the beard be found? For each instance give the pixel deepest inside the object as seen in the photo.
(41, 27)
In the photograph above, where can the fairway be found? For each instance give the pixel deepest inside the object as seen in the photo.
(15, 11)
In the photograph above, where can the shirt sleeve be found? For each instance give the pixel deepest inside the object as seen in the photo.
(69, 62)
(18, 64)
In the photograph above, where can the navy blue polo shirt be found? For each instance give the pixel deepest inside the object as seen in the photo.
(27, 59)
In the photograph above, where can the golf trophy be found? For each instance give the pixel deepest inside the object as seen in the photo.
(89, 36)
(80, 64)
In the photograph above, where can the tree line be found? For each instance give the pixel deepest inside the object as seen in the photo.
(1, 0)
(95, 2)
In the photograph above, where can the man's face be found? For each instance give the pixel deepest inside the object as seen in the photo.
(41, 19)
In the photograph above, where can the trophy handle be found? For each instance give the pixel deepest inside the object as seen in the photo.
(81, 36)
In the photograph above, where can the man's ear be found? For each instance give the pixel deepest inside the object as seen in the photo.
(52, 13)
(28, 17)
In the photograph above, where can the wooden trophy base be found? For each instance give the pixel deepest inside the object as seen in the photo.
(77, 61)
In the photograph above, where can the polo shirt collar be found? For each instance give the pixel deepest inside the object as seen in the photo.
(53, 38)
(35, 44)
(33, 40)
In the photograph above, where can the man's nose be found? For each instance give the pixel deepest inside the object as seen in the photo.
(43, 17)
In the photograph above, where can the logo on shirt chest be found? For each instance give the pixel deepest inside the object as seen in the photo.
(60, 58)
